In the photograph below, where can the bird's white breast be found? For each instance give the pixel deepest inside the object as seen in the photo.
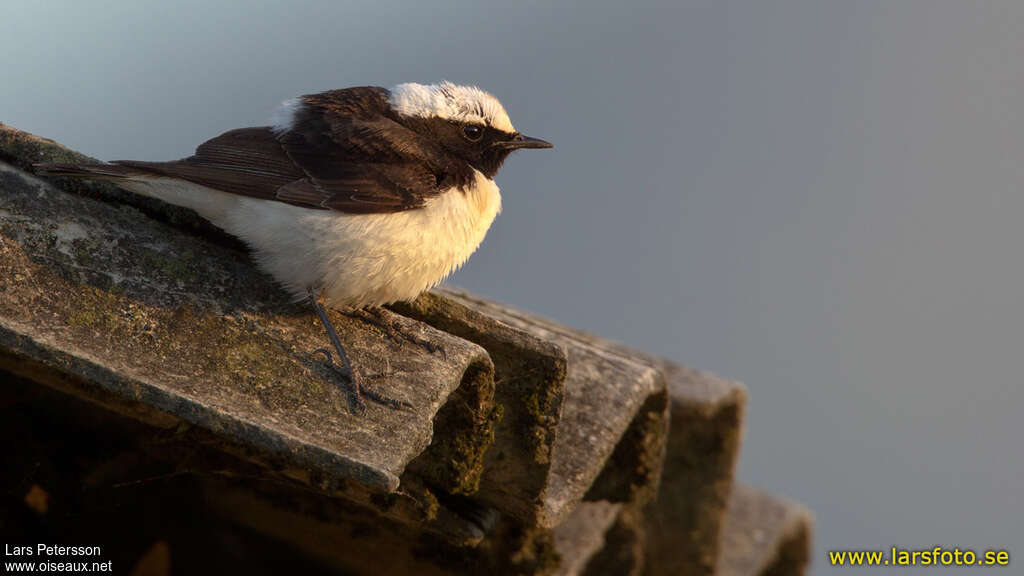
(355, 259)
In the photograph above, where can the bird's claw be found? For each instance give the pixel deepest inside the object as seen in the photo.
(357, 388)
(328, 359)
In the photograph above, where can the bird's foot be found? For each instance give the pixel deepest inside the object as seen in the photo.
(375, 316)
(357, 388)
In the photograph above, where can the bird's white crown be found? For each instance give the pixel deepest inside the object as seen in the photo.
(450, 101)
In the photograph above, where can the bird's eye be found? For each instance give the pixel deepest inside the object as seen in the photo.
(472, 132)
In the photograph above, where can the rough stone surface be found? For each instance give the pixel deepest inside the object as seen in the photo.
(685, 522)
(173, 327)
(530, 375)
(764, 535)
(606, 392)
(582, 535)
(625, 543)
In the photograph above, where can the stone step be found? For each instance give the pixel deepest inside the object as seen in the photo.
(764, 535)
(703, 447)
(104, 304)
(602, 434)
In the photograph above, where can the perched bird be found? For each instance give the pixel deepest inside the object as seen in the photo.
(362, 196)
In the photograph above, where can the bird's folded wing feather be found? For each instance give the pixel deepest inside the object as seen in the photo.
(331, 159)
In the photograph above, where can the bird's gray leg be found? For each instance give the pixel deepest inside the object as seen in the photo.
(359, 388)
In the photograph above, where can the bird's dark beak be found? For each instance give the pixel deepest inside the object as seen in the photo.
(520, 141)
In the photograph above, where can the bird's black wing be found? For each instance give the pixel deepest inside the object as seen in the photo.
(345, 151)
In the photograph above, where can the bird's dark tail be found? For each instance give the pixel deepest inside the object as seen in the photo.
(86, 171)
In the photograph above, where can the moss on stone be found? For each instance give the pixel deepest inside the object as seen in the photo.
(95, 308)
(463, 431)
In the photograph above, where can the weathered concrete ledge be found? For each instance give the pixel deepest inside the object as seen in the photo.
(615, 405)
(531, 374)
(703, 447)
(764, 535)
(580, 423)
(706, 415)
(582, 535)
(168, 327)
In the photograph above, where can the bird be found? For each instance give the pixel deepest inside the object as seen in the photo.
(360, 197)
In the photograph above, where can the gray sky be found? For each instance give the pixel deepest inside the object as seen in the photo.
(819, 198)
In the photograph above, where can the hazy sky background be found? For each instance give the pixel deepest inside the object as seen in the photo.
(822, 199)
